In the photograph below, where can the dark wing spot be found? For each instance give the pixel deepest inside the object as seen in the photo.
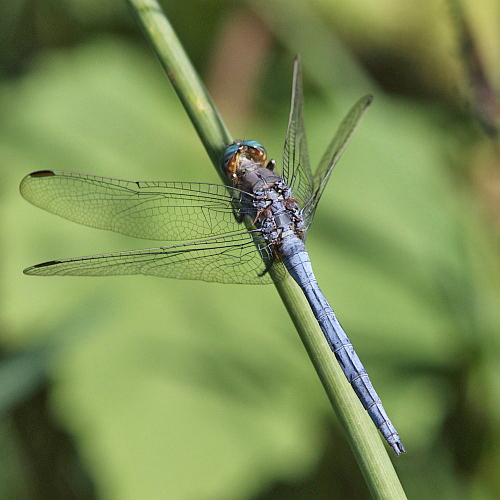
(46, 264)
(42, 173)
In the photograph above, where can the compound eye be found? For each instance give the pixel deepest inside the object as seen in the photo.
(241, 153)
(255, 145)
(256, 151)
(230, 158)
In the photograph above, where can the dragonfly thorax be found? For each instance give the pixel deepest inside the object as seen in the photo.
(274, 210)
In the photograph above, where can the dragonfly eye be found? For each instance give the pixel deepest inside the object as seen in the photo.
(241, 155)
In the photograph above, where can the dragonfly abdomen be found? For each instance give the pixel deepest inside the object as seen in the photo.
(296, 260)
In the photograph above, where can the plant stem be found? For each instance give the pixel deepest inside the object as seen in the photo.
(363, 437)
(191, 91)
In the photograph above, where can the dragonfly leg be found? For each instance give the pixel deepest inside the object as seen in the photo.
(269, 263)
(265, 212)
(271, 165)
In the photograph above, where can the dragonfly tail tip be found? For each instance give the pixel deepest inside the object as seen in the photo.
(398, 447)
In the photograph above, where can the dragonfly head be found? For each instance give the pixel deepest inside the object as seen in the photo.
(241, 156)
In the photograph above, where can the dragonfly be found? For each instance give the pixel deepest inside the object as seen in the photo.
(251, 231)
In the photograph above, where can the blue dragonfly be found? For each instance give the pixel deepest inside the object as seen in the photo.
(251, 231)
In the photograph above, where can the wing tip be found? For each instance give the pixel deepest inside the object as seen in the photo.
(34, 175)
(32, 269)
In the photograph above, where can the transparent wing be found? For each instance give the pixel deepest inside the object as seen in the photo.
(231, 259)
(158, 210)
(334, 152)
(296, 169)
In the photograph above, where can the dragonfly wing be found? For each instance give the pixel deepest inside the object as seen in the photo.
(296, 169)
(334, 152)
(231, 259)
(158, 210)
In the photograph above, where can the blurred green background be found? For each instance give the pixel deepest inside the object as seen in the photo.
(141, 388)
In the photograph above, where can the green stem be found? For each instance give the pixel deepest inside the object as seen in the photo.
(363, 437)
(191, 91)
